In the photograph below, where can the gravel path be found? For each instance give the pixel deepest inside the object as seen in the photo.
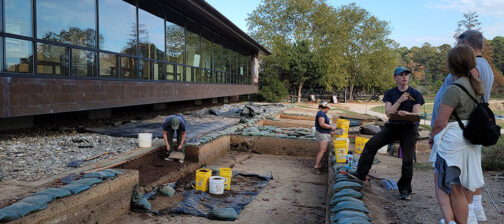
(32, 157)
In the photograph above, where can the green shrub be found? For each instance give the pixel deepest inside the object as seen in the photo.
(492, 157)
(272, 90)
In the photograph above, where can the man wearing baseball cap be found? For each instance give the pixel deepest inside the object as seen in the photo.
(174, 123)
(401, 100)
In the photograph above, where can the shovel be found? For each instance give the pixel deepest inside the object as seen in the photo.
(77, 163)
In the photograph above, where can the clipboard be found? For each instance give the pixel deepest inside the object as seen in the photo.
(409, 117)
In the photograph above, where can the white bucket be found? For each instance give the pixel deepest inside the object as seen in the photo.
(313, 129)
(216, 185)
(144, 140)
(383, 150)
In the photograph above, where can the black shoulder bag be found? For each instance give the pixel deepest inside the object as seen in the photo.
(481, 129)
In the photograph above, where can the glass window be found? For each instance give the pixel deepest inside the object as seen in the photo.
(158, 71)
(208, 76)
(1, 11)
(1, 52)
(193, 49)
(180, 73)
(18, 55)
(108, 65)
(51, 59)
(117, 26)
(175, 42)
(145, 69)
(234, 62)
(71, 22)
(18, 17)
(83, 63)
(151, 33)
(128, 68)
(170, 72)
(218, 57)
(189, 74)
(206, 53)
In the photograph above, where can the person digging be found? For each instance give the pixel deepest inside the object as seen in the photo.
(401, 100)
(174, 124)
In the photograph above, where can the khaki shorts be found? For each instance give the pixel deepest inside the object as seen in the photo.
(322, 137)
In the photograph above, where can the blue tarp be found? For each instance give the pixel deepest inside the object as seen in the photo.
(236, 200)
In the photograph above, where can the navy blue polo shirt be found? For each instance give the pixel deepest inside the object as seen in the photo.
(392, 95)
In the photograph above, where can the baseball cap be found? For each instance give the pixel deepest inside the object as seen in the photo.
(400, 70)
(175, 123)
(325, 104)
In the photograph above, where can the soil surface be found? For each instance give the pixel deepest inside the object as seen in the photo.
(295, 195)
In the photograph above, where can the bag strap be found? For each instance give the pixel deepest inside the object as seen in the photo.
(465, 90)
(455, 113)
(458, 120)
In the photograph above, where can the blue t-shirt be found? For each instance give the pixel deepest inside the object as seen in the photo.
(326, 120)
(167, 123)
(392, 95)
(486, 77)
(439, 96)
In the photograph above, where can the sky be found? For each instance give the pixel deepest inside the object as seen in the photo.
(412, 22)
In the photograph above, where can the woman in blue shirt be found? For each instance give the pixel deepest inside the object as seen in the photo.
(323, 134)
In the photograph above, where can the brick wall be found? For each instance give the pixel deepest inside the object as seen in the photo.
(31, 96)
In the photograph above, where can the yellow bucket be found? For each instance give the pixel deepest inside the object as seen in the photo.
(360, 142)
(202, 176)
(227, 173)
(340, 149)
(344, 125)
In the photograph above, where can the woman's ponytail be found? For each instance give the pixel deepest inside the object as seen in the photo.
(476, 85)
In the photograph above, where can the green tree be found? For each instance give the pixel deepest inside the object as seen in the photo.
(272, 89)
(498, 52)
(304, 67)
(282, 19)
(355, 43)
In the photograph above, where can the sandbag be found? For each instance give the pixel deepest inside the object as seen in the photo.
(228, 214)
(71, 177)
(116, 172)
(143, 204)
(336, 200)
(76, 188)
(349, 193)
(41, 200)
(100, 174)
(348, 180)
(167, 191)
(108, 174)
(348, 214)
(24, 208)
(349, 206)
(139, 201)
(353, 220)
(346, 185)
(8, 215)
(55, 192)
(370, 129)
(88, 181)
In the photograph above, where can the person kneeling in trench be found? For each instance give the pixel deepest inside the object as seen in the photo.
(174, 123)
(323, 129)
(401, 100)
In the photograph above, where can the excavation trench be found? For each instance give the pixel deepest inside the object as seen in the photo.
(294, 195)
